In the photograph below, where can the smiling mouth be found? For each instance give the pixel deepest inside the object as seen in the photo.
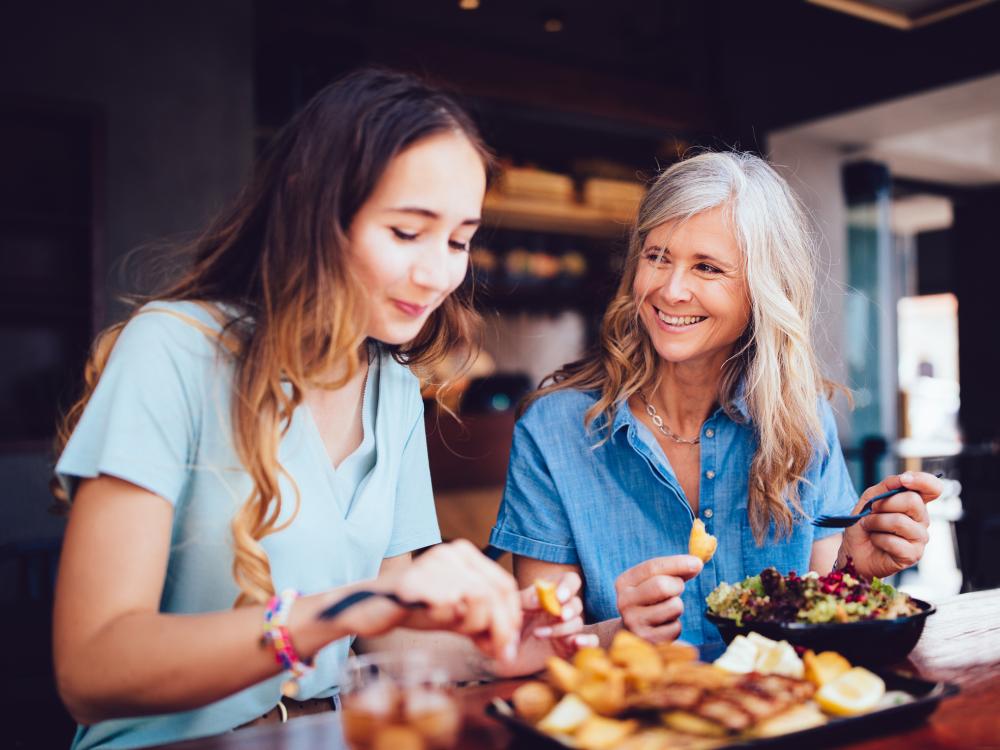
(409, 308)
(679, 321)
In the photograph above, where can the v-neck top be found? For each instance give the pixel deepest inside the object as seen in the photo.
(610, 506)
(160, 419)
(351, 474)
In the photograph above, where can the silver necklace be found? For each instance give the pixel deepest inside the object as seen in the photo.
(664, 430)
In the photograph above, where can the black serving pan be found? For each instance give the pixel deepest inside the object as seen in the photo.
(868, 642)
(926, 697)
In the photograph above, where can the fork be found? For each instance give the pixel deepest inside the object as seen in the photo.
(359, 596)
(842, 522)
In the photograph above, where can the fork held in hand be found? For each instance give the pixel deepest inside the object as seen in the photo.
(842, 522)
(359, 596)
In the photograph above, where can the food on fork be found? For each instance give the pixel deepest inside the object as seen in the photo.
(701, 544)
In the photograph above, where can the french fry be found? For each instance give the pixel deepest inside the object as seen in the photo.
(638, 657)
(604, 693)
(563, 674)
(593, 660)
(546, 591)
(701, 543)
(671, 651)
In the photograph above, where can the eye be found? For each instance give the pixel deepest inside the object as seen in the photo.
(457, 245)
(657, 257)
(405, 236)
(708, 268)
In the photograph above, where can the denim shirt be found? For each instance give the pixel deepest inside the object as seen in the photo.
(609, 507)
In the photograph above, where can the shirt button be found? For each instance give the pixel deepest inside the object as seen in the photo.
(708, 513)
(709, 433)
(710, 474)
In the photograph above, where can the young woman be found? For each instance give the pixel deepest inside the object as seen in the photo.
(256, 429)
(704, 401)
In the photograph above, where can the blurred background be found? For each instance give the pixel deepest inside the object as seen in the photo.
(125, 123)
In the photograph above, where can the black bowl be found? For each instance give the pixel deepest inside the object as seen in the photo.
(870, 642)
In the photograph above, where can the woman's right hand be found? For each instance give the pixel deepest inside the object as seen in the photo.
(465, 592)
(649, 596)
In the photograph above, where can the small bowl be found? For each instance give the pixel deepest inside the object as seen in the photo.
(398, 700)
(870, 642)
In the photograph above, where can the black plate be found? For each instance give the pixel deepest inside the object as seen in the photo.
(927, 696)
(869, 642)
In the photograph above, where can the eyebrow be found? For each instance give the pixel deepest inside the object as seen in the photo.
(697, 256)
(428, 214)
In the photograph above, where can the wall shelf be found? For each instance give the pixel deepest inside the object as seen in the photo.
(539, 215)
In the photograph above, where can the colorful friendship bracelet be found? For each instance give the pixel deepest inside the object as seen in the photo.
(277, 638)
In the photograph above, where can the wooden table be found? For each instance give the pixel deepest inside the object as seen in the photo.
(960, 644)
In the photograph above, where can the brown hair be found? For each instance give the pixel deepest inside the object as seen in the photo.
(277, 256)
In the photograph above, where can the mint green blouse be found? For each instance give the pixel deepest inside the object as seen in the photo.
(160, 419)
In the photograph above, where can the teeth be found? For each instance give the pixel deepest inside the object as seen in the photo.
(679, 320)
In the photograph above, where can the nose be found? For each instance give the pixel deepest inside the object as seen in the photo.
(676, 288)
(430, 267)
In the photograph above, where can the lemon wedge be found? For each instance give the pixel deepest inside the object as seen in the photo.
(824, 667)
(854, 692)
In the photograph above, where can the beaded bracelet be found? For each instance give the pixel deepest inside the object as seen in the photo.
(277, 638)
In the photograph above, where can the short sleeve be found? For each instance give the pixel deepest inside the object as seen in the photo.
(532, 520)
(835, 490)
(141, 422)
(415, 522)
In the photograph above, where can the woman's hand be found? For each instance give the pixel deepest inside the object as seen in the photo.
(464, 591)
(649, 596)
(893, 537)
(543, 635)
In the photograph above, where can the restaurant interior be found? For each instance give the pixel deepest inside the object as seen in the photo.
(124, 125)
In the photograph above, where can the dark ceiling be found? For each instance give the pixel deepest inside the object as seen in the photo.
(653, 74)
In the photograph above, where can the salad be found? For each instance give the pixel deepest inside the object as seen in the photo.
(839, 596)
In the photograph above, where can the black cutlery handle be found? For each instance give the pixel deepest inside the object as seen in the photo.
(359, 596)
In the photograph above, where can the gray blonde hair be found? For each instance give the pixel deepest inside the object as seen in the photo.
(773, 362)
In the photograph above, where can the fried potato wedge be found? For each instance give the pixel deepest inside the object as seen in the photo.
(599, 733)
(562, 674)
(568, 714)
(701, 543)
(533, 700)
(546, 591)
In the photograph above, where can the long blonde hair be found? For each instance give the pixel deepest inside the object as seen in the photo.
(773, 360)
(278, 256)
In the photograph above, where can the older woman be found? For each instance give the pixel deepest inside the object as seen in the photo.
(705, 400)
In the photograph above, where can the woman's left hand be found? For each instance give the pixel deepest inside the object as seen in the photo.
(544, 635)
(893, 536)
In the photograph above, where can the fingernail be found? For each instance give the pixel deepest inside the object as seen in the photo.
(543, 632)
(563, 593)
(906, 477)
(510, 652)
(567, 613)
